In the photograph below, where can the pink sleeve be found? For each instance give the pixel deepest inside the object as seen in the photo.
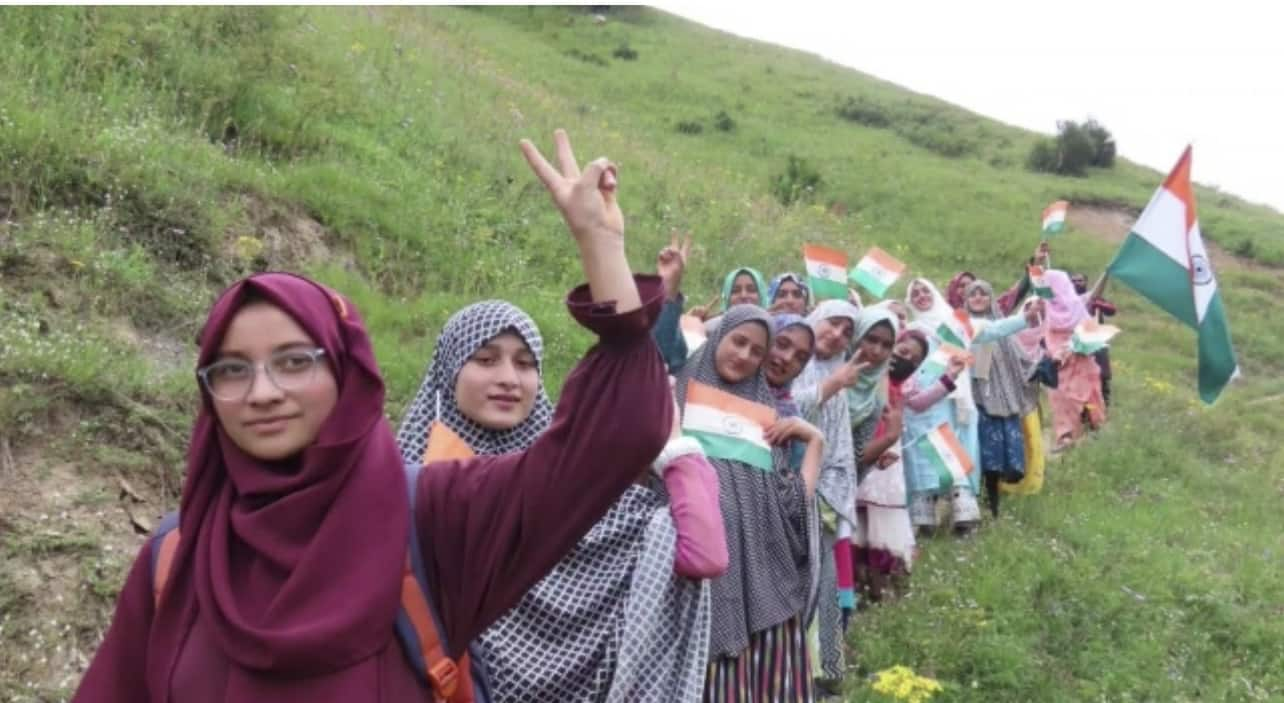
(692, 484)
(920, 399)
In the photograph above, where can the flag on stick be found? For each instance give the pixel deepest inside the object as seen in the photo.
(728, 426)
(1091, 337)
(877, 271)
(1040, 286)
(826, 272)
(941, 447)
(1054, 218)
(1164, 259)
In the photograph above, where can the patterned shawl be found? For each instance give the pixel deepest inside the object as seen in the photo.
(999, 389)
(465, 332)
(598, 612)
(611, 622)
(764, 512)
(838, 468)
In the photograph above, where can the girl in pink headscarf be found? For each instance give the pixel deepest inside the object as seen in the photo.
(1079, 387)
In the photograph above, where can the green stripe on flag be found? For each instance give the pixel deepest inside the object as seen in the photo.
(724, 447)
(1156, 276)
(947, 335)
(825, 289)
(1216, 354)
(868, 282)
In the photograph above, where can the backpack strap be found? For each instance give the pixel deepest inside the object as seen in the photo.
(164, 545)
(417, 625)
(419, 628)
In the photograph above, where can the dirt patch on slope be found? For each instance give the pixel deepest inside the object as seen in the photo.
(1113, 222)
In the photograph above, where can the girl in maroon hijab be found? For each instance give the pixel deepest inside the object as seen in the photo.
(295, 517)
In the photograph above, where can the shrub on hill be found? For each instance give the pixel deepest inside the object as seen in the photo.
(799, 182)
(1075, 148)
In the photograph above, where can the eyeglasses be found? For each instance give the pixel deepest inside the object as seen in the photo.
(288, 370)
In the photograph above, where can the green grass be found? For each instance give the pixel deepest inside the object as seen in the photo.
(150, 154)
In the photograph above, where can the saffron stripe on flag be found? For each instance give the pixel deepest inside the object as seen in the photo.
(1040, 286)
(1054, 217)
(877, 271)
(1165, 260)
(826, 272)
(704, 394)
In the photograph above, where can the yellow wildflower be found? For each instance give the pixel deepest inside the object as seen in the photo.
(902, 684)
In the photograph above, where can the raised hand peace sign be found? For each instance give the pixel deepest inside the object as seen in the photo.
(587, 201)
(587, 198)
(671, 263)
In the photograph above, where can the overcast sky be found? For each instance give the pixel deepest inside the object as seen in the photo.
(1159, 75)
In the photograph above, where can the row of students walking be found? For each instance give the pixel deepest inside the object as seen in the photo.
(499, 547)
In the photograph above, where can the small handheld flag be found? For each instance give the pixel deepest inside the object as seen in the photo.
(939, 360)
(1040, 286)
(942, 449)
(826, 272)
(877, 271)
(1054, 218)
(1091, 337)
(445, 445)
(727, 426)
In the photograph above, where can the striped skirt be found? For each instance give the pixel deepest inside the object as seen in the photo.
(774, 668)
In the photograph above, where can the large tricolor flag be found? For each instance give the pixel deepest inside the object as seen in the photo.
(727, 426)
(877, 271)
(1164, 259)
(826, 272)
(1054, 218)
(941, 447)
(1091, 337)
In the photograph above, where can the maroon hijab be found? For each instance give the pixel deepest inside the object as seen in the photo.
(294, 566)
(954, 292)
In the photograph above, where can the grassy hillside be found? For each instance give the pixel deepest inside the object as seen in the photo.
(150, 157)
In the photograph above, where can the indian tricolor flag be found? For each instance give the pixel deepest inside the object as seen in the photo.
(1091, 337)
(826, 272)
(941, 447)
(939, 360)
(951, 334)
(692, 332)
(1054, 217)
(727, 426)
(1164, 259)
(445, 445)
(877, 271)
(1040, 286)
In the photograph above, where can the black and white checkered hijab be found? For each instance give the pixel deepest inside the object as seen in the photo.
(465, 332)
(764, 513)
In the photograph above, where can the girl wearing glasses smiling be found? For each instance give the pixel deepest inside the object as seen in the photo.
(295, 518)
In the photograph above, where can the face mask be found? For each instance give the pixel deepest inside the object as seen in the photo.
(900, 369)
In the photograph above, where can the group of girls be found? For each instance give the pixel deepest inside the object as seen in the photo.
(586, 551)
(858, 375)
